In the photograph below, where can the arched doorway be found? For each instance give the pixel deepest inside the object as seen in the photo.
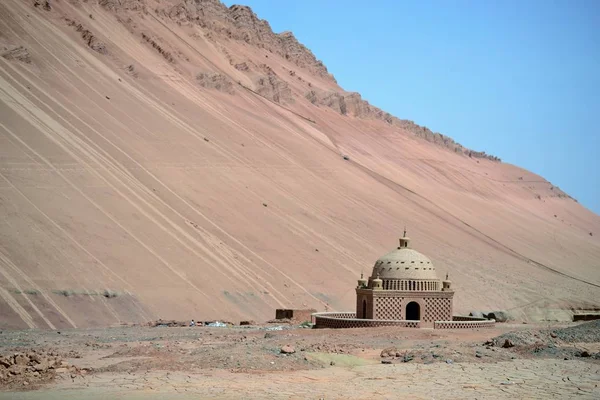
(413, 311)
(364, 310)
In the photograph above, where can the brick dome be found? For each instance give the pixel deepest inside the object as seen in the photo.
(404, 263)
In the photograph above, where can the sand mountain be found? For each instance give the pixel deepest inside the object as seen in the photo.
(179, 159)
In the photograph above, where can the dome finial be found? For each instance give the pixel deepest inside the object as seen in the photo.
(403, 240)
(446, 276)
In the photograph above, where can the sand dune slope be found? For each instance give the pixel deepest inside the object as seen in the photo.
(139, 180)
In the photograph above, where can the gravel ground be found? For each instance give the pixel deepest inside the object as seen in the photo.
(587, 332)
(582, 340)
(93, 355)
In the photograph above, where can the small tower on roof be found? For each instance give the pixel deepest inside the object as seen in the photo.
(362, 282)
(377, 283)
(404, 241)
(446, 284)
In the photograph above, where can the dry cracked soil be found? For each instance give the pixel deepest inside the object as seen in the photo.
(287, 361)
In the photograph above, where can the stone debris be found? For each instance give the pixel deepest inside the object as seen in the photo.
(287, 349)
(478, 314)
(389, 352)
(34, 367)
(499, 316)
(275, 328)
(587, 332)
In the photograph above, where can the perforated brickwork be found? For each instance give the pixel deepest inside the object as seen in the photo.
(336, 320)
(463, 324)
(467, 318)
(437, 309)
(345, 315)
(388, 308)
(347, 320)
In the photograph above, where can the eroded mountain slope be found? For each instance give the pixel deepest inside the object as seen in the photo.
(166, 159)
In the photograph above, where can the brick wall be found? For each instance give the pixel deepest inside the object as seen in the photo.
(437, 309)
(348, 320)
(467, 318)
(463, 324)
(337, 320)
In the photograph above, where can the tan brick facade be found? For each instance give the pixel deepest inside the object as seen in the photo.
(391, 305)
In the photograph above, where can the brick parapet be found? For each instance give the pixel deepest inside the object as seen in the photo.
(337, 320)
(347, 320)
(464, 324)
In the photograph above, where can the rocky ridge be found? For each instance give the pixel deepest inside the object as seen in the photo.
(240, 23)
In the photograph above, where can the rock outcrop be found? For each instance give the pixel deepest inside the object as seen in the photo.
(167, 55)
(241, 23)
(354, 105)
(272, 87)
(18, 53)
(124, 5)
(216, 81)
(90, 39)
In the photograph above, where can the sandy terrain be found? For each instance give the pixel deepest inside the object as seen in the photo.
(246, 362)
(139, 180)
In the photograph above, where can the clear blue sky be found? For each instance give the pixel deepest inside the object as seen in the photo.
(517, 79)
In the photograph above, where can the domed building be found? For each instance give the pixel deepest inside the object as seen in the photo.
(403, 290)
(404, 286)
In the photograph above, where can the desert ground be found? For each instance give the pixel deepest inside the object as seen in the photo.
(284, 360)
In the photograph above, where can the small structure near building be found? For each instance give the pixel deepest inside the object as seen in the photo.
(403, 290)
(582, 315)
(294, 314)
